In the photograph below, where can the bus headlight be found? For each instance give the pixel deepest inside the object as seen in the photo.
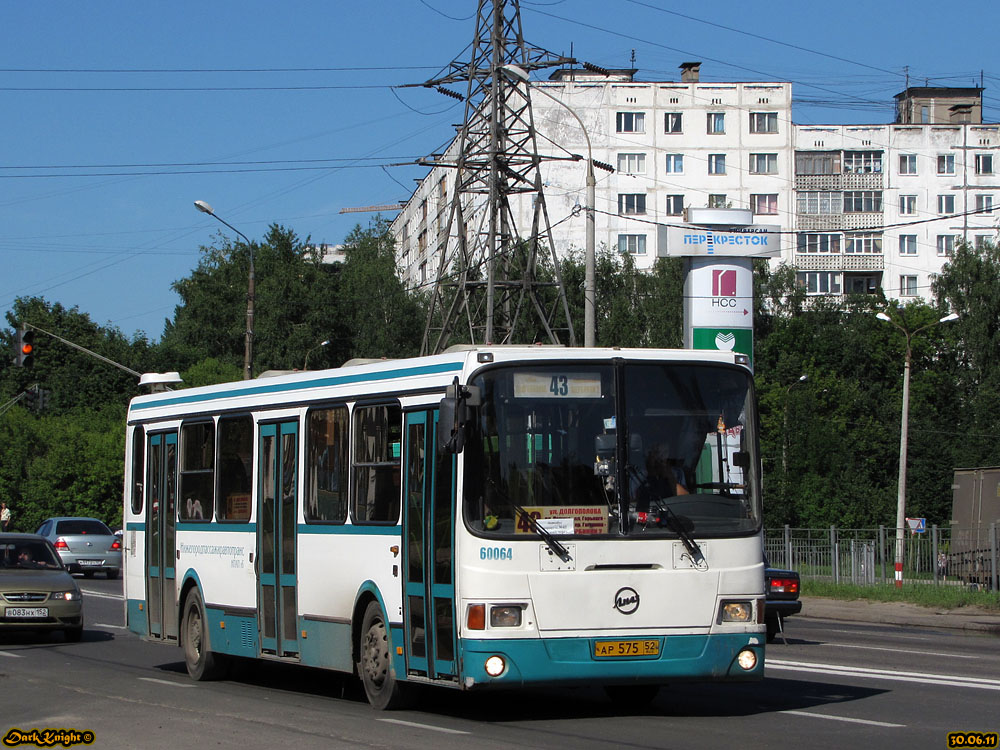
(505, 616)
(495, 666)
(747, 659)
(741, 611)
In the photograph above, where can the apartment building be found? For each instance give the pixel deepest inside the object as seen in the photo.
(865, 207)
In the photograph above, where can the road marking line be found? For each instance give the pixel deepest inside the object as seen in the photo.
(108, 625)
(895, 637)
(896, 650)
(423, 726)
(844, 718)
(875, 674)
(167, 682)
(99, 595)
(12, 656)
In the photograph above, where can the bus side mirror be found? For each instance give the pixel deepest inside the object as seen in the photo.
(741, 459)
(453, 416)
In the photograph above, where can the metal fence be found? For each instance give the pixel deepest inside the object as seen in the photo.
(942, 556)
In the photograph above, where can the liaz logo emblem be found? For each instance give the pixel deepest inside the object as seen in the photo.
(627, 600)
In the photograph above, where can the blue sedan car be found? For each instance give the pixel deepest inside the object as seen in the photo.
(85, 545)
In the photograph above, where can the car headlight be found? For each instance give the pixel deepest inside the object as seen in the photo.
(69, 596)
(736, 611)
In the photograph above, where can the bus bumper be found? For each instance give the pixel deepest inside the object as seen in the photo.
(567, 661)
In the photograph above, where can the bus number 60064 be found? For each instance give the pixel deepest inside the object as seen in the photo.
(496, 553)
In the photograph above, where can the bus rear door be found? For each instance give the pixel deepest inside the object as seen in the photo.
(161, 539)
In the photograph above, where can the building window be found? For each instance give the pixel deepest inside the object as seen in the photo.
(868, 244)
(631, 122)
(817, 162)
(422, 242)
(907, 205)
(946, 244)
(675, 163)
(818, 243)
(717, 200)
(862, 201)
(673, 122)
(907, 244)
(763, 122)
(862, 162)
(631, 203)
(981, 240)
(716, 163)
(907, 163)
(946, 164)
(716, 122)
(819, 282)
(675, 205)
(907, 286)
(946, 204)
(764, 204)
(633, 244)
(763, 164)
(984, 204)
(984, 163)
(817, 202)
(632, 163)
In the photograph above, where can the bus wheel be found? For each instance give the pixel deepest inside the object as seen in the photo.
(375, 662)
(631, 696)
(201, 663)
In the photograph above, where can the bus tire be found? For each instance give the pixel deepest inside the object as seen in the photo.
(375, 662)
(202, 664)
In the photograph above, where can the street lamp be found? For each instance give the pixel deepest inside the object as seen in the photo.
(517, 73)
(305, 362)
(248, 340)
(784, 437)
(904, 436)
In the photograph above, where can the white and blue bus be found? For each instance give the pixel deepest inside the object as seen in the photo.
(484, 518)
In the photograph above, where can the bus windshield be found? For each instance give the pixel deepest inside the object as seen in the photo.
(634, 449)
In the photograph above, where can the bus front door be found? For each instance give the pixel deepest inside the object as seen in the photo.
(276, 563)
(429, 581)
(161, 544)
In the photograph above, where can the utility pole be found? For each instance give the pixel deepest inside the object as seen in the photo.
(486, 285)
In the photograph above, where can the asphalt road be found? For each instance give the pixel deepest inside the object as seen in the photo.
(831, 685)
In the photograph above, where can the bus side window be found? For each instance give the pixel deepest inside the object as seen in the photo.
(377, 446)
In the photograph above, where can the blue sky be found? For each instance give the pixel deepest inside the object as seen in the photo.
(117, 115)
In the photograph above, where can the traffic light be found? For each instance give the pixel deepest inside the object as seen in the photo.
(25, 347)
(44, 396)
(30, 397)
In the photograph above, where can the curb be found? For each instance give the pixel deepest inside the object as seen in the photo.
(900, 613)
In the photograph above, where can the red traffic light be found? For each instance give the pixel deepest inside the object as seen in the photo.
(25, 347)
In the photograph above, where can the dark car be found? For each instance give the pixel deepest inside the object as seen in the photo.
(36, 591)
(85, 545)
(781, 587)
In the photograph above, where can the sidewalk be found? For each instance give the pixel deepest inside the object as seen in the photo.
(901, 613)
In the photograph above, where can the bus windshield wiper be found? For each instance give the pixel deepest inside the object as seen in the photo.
(672, 522)
(547, 536)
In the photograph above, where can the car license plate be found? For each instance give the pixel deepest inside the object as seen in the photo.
(27, 612)
(626, 648)
(89, 563)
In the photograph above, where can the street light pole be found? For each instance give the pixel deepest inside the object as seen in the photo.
(904, 430)
(305, 362)
(248, 338)
(784, 436)
(589, 281)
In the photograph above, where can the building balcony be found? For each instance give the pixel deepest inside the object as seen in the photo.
(866, 181)
(839, 222)
(839, 262)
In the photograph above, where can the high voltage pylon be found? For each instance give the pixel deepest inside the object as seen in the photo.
(486, 281)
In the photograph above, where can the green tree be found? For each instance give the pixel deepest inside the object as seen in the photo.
(384, 320)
